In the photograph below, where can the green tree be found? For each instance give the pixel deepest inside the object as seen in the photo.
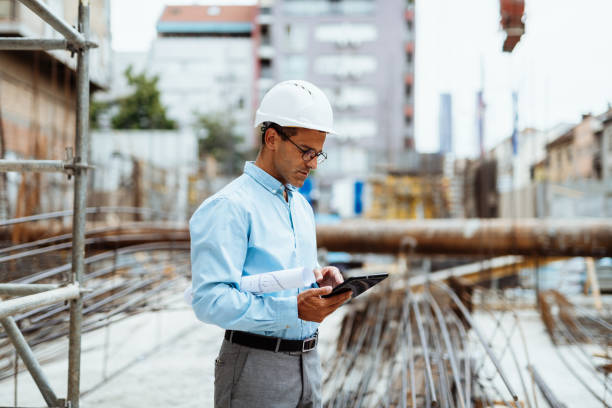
(217, 138)
(96, 110)
(143, 108)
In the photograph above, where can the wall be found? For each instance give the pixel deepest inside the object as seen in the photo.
(207, 75)
(144, 168)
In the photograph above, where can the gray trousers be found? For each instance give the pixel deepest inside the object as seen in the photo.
(248, 377)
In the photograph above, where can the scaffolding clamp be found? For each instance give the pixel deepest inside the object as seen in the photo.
(70, 166)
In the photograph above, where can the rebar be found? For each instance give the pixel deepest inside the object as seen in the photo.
(468, 317)
(550, 398)
(449, 347)
(88, 210)
(419, 322)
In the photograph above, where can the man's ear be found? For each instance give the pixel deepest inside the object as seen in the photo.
(271, 138)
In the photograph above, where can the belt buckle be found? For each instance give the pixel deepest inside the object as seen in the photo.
(309, 344)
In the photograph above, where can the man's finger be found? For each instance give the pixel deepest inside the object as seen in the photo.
(325, 290)
(317, 274)
(334, 273)
(339, 299)
(338, 277)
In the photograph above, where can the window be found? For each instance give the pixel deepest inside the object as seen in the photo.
(349, 97)
(345, 66)
(293, 66)
(295, 37)
(317, 8)
(355, 128)
(346, 34)
(265, 35)
(266, 68)
(408, 91)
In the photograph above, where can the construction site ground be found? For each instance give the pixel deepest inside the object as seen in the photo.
(160, 359)
(155, 359)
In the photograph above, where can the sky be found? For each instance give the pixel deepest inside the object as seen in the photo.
(561, 68)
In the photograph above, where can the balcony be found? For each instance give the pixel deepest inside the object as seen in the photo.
(408, 78)
(266, 73)
(318, 8)
(409, 110)
(266, 51)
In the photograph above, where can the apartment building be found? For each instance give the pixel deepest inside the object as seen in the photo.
(361, 53)
(205, 59)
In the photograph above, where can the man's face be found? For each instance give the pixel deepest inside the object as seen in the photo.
(290, 166)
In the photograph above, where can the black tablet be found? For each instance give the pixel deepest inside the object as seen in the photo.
(357, 284)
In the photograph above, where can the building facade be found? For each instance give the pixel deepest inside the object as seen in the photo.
(38, 101)
(361, 53)
(575, 155)
(204, 57)
(606, 146)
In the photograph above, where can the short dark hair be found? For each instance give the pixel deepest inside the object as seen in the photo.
(284, 132)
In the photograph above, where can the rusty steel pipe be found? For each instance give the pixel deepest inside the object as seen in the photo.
(535, 237)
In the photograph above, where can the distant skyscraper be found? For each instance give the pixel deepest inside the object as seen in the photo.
(445, 127)
(515, 122)
(480, 118)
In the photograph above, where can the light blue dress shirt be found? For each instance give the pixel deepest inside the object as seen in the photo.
(245, 229)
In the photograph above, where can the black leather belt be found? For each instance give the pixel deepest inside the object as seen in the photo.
(275, 344)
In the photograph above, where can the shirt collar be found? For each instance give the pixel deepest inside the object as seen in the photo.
(265, 179)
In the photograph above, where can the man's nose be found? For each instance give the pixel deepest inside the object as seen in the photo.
(313, 163)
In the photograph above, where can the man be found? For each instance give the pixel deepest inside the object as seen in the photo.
(260, 223)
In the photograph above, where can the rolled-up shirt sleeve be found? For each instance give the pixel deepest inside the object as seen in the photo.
(219, 242)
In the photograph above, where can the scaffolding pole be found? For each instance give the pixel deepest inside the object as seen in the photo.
(41, 9)
(37, 166)
(23, 289)
(77, 42)
(34, 44)
(81, 160)
(28, 358)
(27, 303)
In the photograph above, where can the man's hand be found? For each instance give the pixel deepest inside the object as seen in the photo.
(328, 276)
(314, 308)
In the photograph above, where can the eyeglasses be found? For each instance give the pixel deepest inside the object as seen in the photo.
(308, 154)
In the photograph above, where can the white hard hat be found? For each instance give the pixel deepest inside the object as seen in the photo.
(298, 104)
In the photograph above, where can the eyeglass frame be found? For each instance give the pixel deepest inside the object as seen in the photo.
(305, 152)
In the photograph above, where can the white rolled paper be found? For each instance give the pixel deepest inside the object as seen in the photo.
(277, 280)
(284, 279)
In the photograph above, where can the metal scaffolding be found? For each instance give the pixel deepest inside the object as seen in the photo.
(33, 296)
